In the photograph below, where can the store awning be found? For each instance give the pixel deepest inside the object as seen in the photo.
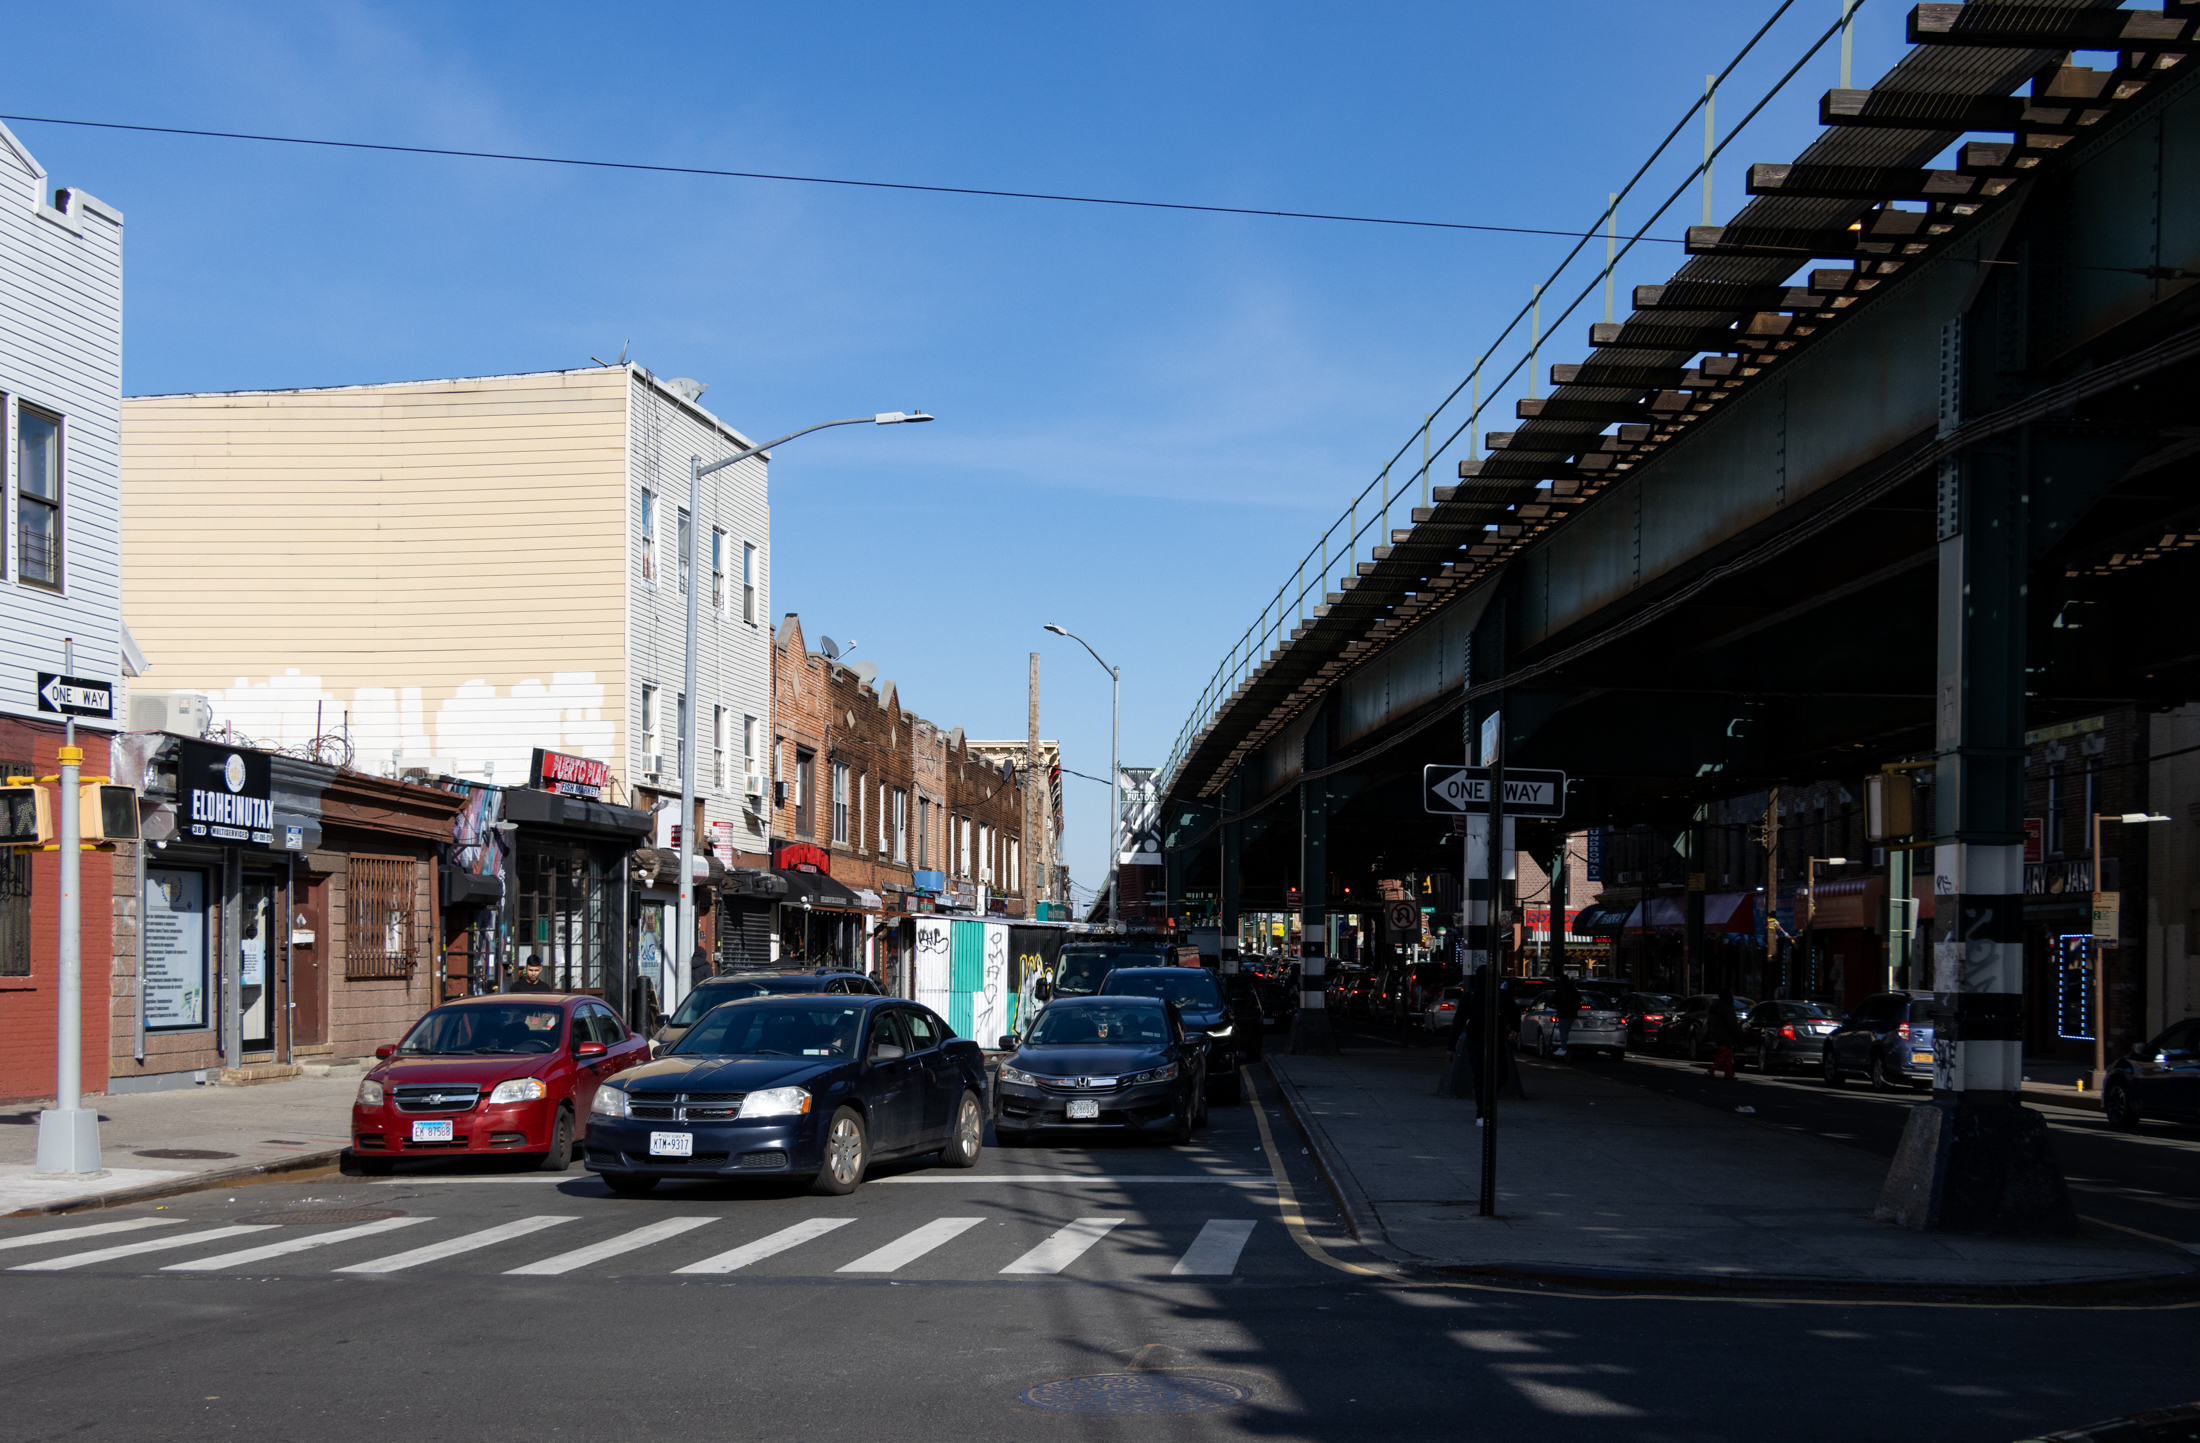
(1598, 921)
(815, 889)
(754, 882)
(1722, 912)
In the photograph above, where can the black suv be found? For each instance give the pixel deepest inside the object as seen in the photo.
(1200, 1003)
(1888, 1039)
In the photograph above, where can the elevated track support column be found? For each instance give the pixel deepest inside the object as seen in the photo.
(1973, 1160)
(1310, 1028)
(1227, 881)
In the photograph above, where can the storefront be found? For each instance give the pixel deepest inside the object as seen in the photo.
(567, 898)
(821, 922)
(1840, 954)
(654, 906)
(748, 899)
(2061, 961)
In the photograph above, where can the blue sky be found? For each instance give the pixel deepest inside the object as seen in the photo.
(1145, 417)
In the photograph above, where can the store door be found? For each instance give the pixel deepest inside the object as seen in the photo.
(260, 960)
(310, 946)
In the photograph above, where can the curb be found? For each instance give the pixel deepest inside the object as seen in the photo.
(1366, 1227)
(197, 1182)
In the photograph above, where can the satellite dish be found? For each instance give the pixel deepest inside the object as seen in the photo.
(687, 387)
(864, 671)
(828, 647)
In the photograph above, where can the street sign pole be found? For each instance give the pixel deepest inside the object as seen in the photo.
(68, 1134)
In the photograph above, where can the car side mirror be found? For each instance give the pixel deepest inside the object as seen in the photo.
(887, 1052)
(387, 1049)
(589, 1049)
(1043, 990)
(1008, 1044)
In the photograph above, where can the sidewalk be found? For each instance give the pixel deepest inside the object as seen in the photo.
(1600, 1182)
(301, 1122)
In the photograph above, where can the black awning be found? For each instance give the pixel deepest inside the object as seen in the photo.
(1599, 921)
(546, 809)
(754, 882)
(470, 889)
(818, 890)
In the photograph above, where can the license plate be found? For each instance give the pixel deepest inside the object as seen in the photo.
(672, 1144)
(1083, 1110)
(433, 1131)
(1924, 1057)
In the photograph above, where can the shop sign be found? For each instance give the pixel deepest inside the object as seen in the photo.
(2107, 915)
(569, 776)
(224, 795)
(802, 857)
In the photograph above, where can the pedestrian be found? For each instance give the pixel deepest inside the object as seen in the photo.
(531, 981)
(1724, 1030)
(1565, 1006)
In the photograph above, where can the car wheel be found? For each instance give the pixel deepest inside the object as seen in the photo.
(1829, 1071)
(1199, 1101)
(2116, 1106)
(968, 1138)
(1767, 1059)
(560, 1155)
(1885, 1072)
(627, 1184)
(1542, 1043)
(847, 1153)
(1695, 1047)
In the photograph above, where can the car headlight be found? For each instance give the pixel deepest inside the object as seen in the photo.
(610, 1102)
(1163, 1073)
(519, 1089)
(1017, 1075)
(1218, 1034)
(776, 1102)
(370, 1093)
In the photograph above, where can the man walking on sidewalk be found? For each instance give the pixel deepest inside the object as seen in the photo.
(1565, 1006)
(1724, 1031)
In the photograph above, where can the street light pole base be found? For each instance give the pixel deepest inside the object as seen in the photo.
(1977, 1163)
(68, 1141)
(1311, 1034)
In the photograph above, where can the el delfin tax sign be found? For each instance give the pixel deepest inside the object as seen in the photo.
(571, 776)
(224, 795)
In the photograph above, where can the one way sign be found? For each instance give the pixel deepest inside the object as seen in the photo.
(75, 695)
(1528, 793)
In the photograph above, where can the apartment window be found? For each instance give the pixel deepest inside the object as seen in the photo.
(718, 571)
(885, 828)
(748, 746)
(650, 738)
(748, 582)
(901, 825)
(803, 761)
(924, 834)
(718, 747)
(687, 538)
(379, 940)
(962, 847)
(680, 743)
(649, 537)
(38, 497)
(840, 803)
(1015, 864)
(2054, 810)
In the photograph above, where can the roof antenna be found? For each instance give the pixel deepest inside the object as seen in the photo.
(619, 362)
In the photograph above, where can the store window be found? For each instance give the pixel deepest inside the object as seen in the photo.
(378, 933)
(38, 497)
(560, 912)
(176, 984)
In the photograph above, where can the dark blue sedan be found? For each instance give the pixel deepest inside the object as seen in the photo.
(806, 1086)
(1104, 1064)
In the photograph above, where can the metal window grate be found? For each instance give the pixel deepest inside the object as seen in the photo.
(15, 897)
(378, 940)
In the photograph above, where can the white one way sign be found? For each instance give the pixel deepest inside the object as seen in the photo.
(1528, 793)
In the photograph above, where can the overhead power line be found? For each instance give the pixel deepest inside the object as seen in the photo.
(634, 165)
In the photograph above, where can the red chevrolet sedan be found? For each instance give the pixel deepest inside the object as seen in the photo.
(506, 1075)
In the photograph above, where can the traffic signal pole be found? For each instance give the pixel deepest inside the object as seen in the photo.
(68, 1133)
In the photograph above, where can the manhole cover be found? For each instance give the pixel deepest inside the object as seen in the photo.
(181, 1152)
(1125, 1393)
(312, 1217)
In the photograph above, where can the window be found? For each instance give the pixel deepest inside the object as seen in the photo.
(863, 793)
(748, 746)
(650, 753)
(840, 803)
(924, 834)
(901, 825)
(38, 497)
(924, 1032)
(15, 899)
(718, 747)
(378, 894)
(985, 854)
(803, 761)
(962, 847)
(748, 583)
(561, 906)
(885, 820)
(718, 571)
(649, 537)
(687, 542)
(1015, 864)
(2054, 810)
(680, 743)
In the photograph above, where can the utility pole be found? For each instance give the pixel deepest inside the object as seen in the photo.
(1772, 888)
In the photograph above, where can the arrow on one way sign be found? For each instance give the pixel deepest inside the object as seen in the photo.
(1528, 792)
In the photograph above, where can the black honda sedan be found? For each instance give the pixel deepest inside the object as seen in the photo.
(1199, 1001)
(1103, 1064)
(811, 1086)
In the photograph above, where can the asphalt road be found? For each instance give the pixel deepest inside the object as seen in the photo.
(1006, 1302)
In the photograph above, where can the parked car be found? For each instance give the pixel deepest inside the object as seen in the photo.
(2158, 1079)
(1199, 1003)
(1887, 1039)
(2179, 1423)
(1246, 1020)
(1120, 1064)
(1646, 1014)
(1083, 966)
(815, 1085)
(1279, 998)
(1686, 1031)
(712, 991)
(503, 1075)
(1778, 1035)
(1598, 1026)
(1443, 1010)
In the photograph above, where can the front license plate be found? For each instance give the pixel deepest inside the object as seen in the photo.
(1922, 1057)
(1083, 1110)
(432, 1131)
(672, 1144)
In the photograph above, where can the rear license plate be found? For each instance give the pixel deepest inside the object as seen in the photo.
(672, 1144)
(1922, 1057)
(433, 1131)
(1079, 1110)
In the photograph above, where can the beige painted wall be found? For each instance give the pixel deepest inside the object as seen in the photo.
(446, 560)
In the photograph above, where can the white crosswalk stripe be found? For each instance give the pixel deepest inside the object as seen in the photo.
(1065, 1246)
(221, 1261)
(912, 1245)
(765, 1247)
(452, 1247)
(1214, 1253)
(610, 1247)
(60, 1235)
(151, 1245)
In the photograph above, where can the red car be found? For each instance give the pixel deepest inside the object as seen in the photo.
(506, 1075)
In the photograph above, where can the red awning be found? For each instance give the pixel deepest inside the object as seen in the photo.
(1722, 912)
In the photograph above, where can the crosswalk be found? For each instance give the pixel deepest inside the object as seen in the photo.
(961, 1245)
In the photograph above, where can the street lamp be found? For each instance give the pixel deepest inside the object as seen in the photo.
(2100, 984)
(1115, 774)
(684, 940)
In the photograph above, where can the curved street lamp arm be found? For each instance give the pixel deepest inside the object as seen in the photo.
(783, 440)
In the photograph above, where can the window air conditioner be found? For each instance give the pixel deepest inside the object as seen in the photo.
(653, 764)
(753, 784)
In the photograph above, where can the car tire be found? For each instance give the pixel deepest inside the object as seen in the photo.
(1543, 1043)
(627, 1184)
(966, 1140)
(560, 1155)
(1885, 1073)
(2116, 1106)
(847, 1154)
(1767, 1059)
(1695, 1047)
(1829, 1070)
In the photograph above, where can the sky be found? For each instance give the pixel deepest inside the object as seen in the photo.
(1146, 417)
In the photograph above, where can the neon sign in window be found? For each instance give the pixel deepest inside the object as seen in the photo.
(2074, 959)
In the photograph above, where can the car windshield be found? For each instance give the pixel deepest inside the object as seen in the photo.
(703, 998)
(1082, 971)
(1185, 986)
(827, 1027)
(518, 1028)
(1099, 1025)
(1599, 999)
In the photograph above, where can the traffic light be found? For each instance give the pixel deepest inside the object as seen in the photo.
(26, 817)
(107, 812)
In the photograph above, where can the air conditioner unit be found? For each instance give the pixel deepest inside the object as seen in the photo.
(653, 764)
(187, 713)
(753, 785)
